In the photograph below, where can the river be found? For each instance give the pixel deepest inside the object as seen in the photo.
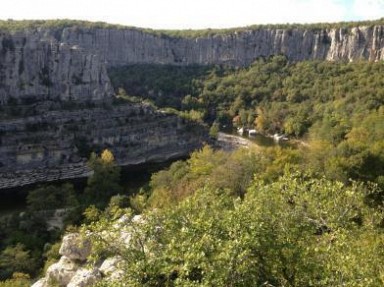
(230, 140)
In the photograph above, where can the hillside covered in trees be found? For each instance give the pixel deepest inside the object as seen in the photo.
(310, 215)
(336, 107)
(305, 215)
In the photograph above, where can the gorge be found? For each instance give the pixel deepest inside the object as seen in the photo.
(57, 101)
(88, 110)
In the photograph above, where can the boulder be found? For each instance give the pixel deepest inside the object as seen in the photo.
(61, 272)
(111, 266)
(41, 283)
(75, 247)
(84, 278)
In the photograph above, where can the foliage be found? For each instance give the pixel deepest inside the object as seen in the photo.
(105, 179)
(163, 84)
(52, 197)
(296, 231)
(25, 236)
(235, 219)
(13, 25)
(323, 99)
(15, 259)
(51, 254)
(219, 170)
(335, 106)
(214, 130)
(18, 280)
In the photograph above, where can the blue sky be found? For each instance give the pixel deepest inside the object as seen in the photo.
(195, 14)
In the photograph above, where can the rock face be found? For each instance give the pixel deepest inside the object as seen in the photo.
(75, 248)
(84, 277)
(36, 68)
(73, 270)
(54, 145)
(128, 46)
(70, 270)
(61, 272)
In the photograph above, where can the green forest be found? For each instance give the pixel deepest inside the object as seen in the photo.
(17, 25)
(308, 214)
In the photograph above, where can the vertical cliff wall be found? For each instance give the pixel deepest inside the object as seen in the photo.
(54, 145)
(34, 67)
(128, 46)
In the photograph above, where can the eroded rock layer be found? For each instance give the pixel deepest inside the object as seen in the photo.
(128, 46)
(54, 145)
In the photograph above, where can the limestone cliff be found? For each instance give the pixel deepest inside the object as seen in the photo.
(36, 68)
(128, 46)
(57, 104)
(54, 145)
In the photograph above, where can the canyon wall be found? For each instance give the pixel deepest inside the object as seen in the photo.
(128, 46)
(57, 102)
(36, 68)
(57, 105)
(55, 145)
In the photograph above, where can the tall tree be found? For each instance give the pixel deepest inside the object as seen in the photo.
(105, 180)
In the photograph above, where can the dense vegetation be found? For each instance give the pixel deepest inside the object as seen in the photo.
(165, 85)
(285, 97)
(296, 231)
(17, 25)
(27, 240)
(305, 216)
(336, 106)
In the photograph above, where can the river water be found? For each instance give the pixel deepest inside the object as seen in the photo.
(230, 139)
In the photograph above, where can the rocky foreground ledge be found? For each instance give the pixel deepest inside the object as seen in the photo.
(75, 269)
(70, 270)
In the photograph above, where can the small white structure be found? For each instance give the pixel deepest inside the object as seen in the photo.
(278, 137)
(252, 132)
(240, 131)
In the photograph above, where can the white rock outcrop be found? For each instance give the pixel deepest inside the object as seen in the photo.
(84, 278)
(73, 270)
(75, 247)
(61, 272)
(41, 283)
(111, 267)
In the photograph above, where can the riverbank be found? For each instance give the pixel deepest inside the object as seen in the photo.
(230, 142)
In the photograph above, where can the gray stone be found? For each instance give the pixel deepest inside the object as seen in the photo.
(37, 66)
(127, 46)
(111, 266)
(61, 272)
(135, 134)
(40, 283)
(75, 247)
(84, 277)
